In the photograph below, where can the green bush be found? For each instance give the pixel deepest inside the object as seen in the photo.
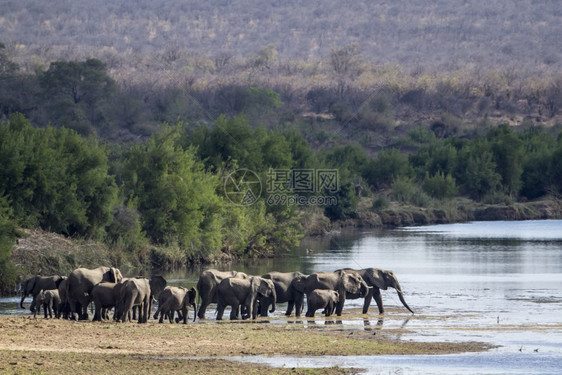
(380, 203)
(402, 189)
(440, 186)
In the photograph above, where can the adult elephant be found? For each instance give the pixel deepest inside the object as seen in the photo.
(377, 279)
(207, 286)
(245, 293)
(174, 299)
(286, 291)
(135, 292)
(80, 283)
(35, 284)
(341, 281)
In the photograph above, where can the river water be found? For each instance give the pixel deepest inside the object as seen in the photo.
(494, 282)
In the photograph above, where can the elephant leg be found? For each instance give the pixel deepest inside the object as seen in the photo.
(145, 312)
(204, 303)
(339, 306)
(378, 299)
(158, 312)
(220, 311)
(310, 312)
(263, 306)
(97, 313)
(185, 312)
(290, 308)
(234, 312)
(45, 310)
(83, 314)
(299, 304)
(50, 312)
(368, 298)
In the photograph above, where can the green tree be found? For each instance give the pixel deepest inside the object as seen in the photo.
(76, 93)
(7, 242)
(440, 186)
(56, 179)
(555, 171)
(174, 195)
(389, 165)
(539, 147)
(478, 170)
(507, 149)
(231, 143)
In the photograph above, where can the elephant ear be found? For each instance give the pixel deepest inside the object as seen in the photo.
(59, 280)
(376, 277)
(299, 283)
(255, 284)
(265, 287)
(349, 281)
(157, 284)
(115, 275)
(192, 294)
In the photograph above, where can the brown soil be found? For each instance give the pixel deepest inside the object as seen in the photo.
(40, 345)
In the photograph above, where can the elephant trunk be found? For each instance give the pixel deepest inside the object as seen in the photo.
(22, 298)
(194, 304)
(401, 296)
(273, 301)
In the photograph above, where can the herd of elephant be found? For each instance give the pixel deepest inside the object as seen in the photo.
(247, 296)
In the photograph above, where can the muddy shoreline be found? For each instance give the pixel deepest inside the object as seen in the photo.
(47, 345)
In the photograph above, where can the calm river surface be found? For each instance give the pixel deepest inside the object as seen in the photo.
(495, 282)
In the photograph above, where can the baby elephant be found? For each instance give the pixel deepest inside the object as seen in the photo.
(322, 299)
(174, 299)
(50, 300)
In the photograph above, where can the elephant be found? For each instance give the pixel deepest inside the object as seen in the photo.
(105, 297)
(244, 293)
(135, 291)
(285, 291)
(207, 286)
(176, 299)
(35, 284)
(377, 279)
(80, 283)
(340, 281)
(322, 299)
(50, 300)
(64, 307)
(157, 286)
